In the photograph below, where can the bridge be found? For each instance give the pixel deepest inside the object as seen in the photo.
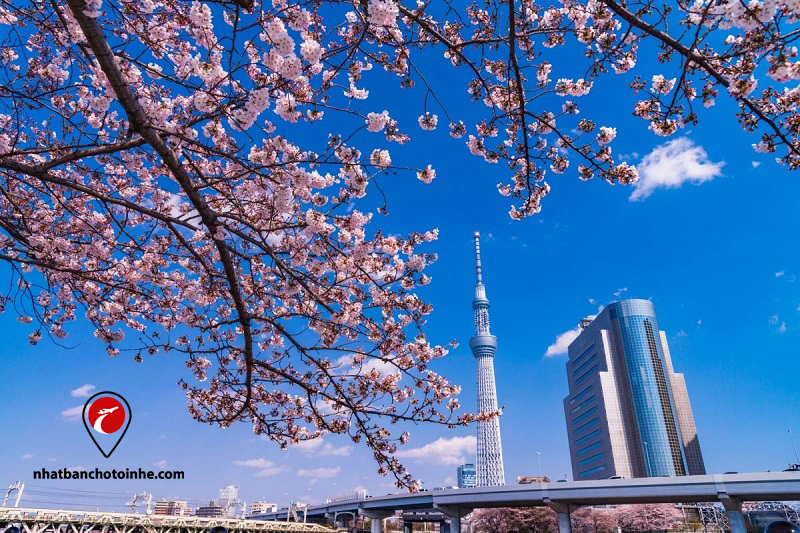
(731, 490)
(62, 521)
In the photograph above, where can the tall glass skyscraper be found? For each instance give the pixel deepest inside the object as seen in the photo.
(628, 412)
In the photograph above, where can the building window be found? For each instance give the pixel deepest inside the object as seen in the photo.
(590, 448)
(584, 354)
(593, 470)
(584, 415)
(590, 459)
(586, 425)
(588, 436)
(586, 375)
(584, 365)
(582, 405)
(581, 394)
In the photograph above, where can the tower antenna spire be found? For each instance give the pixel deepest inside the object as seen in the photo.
(478, 256)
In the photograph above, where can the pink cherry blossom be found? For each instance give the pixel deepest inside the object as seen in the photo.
(187, 176)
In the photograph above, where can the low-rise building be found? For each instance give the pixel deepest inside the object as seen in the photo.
(212, 510)
(262, 507)
(172, 507)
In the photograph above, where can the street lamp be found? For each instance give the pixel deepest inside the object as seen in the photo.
(539, 456)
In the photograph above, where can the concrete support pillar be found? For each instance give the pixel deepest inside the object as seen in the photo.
(733, 508)
(376, 519)
(563, 510)
(455, 514)
(564, 523)
(455, 524)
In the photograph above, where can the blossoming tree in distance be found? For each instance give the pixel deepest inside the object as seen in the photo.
(152, 174)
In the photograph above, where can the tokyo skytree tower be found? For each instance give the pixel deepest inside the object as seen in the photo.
(483, 345)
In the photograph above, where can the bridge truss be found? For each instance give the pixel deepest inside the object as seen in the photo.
(715, 519)
(52, 521)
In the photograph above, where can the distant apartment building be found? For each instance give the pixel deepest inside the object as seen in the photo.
(355, 494)
(628, 412)
(212, 510)
(228, 495)
(467, 476)
(172, 507)
(262, 507)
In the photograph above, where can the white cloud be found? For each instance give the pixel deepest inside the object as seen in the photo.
(755, 163)
(263, 467)
(672, 164)
(323, 472)
(779, 274)
(325, 407)
(562, 342)
(443, 451)
(83, 391)
(699, 323)
(774, 320)
(345, 364)
(27, 456)
(73, 413)
(320, 447)
(76, 468)
(592, 301)
(160, 464)
(620, 291)
(449, 481)
(682, 333)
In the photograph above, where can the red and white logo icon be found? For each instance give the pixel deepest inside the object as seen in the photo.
(106, 415)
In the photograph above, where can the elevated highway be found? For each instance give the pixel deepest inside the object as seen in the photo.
(729, 489)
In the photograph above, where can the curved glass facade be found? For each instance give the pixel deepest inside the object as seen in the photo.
(650, 391)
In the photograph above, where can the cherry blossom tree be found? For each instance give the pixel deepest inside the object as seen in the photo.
(649, 517)
(186, 173)
(521, 520)
(537, 520)
(593, 520)
(497, 520)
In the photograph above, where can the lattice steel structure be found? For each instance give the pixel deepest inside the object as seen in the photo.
(44, 520)
(484, 345)
(715, 520)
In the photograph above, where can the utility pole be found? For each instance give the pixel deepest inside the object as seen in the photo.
(539, 456)
(791, 438)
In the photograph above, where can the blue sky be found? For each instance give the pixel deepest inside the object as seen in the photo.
(719, 259)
